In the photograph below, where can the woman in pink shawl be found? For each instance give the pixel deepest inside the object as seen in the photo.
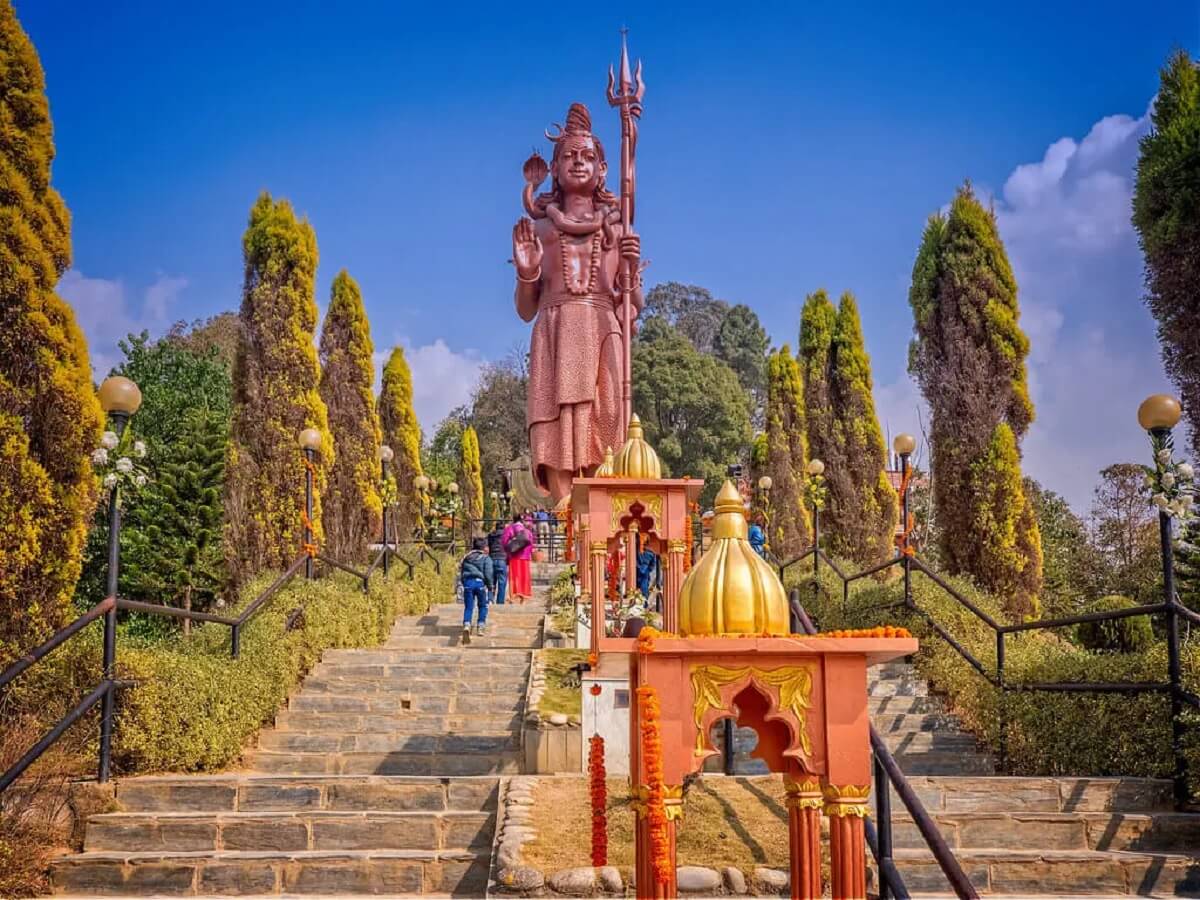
(520, 574)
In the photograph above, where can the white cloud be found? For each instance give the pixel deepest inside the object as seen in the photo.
(442, 378)
(106, 315)
(1065, 222)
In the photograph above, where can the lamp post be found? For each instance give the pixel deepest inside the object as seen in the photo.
(904, 444)
(495, 506)
(420, 484)
(310, 442)
(385, 456)
(452, 487)
(816, 469)
(764, 488)
(1158, 414)
(120, 399)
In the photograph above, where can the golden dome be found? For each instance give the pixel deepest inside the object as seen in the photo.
(637, 459)
(605, 469)
(732, 590)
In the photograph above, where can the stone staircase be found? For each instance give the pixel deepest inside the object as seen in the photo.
(380, 777)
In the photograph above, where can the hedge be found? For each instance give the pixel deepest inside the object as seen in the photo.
(1047, 733)
(192, 707)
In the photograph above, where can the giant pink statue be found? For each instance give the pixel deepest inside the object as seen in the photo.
(578, 272)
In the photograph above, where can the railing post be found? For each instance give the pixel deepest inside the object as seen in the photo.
(385, 541)
(816, 554)
(1002, 703)
(110, 618)
(794, 626)
(1174, 670)
(727, 748)
(235, 641)
(908, 601)
(308, 510)
(883, 826)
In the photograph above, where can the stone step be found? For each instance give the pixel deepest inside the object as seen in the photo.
(363, 684)
(886, 723)
(399, 702)
(944, 762)
(897, 687)
(461, 873)
(902, 705)
(1146, 832)
(1036, 873)
(281, 832)
(974, 794)
(264, 793)
(382, 763)
(403, 722)
(472, 668)
(502, 659)
(389, 742)
(488, 642)
(430, 696)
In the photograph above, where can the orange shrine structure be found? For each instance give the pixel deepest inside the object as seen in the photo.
(726, 652)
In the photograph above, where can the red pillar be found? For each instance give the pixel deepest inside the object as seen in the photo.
(648, 887)
(846, 807)
(804, 832)
(598, 584)
(674, 581)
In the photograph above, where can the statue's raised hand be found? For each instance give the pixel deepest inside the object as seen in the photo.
(527, 250)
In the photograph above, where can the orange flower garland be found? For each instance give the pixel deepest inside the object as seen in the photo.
(879, 631)
(599, 791)
(688, 539)
(902, 544)
(568, 516)
(310, 548)
(652, 759)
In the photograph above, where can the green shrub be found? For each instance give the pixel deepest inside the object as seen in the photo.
(1132, 635)
(192, 707)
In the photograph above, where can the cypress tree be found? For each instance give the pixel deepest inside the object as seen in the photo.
(470, 479)
(1166, 213)
(275, 395)
(862, 506)
(818, 321)
(968, 357)
(351, 505)
(786, 456)
(50, 420)
(402, 433)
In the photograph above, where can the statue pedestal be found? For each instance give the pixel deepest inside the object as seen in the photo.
(615, 512)
(806, 698)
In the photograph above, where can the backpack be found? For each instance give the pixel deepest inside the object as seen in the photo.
(518, 542)
(472, 565)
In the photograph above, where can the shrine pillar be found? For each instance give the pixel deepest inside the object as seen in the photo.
(674, 581)
(647, 885)
(631, 555)
(596, 582)
(846, 807)
(804, 802)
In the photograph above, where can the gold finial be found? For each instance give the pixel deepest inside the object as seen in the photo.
(606, 468)
(732, 590)
(637, 459)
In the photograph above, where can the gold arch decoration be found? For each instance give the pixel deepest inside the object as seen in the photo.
(651, 504)
(794, 684)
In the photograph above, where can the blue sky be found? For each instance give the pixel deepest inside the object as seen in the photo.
(784, 148)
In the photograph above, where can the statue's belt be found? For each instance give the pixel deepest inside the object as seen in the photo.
(599, 300)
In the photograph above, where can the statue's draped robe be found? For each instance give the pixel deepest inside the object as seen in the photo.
(575, 363)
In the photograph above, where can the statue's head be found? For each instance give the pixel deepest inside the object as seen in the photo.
(578, 165)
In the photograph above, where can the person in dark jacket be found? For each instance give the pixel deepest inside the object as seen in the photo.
(495, 540)
(477, 575)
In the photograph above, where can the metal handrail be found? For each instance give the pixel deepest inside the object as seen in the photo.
(887, 772)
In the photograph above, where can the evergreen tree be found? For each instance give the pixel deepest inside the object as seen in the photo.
(1166, 213)
(351, 504)
(862, 507)
(470, 480)
(50, 420)
(969, 359)
(790, 527)
(275, 381)
(742, 345)
(174, 551)
(402, 433)
(818, 321)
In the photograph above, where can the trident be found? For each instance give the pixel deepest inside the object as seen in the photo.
(628, 97)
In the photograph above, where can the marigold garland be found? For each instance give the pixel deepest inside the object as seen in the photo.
(598, 785)
(688, 539)
(880, 631)
(652, 760)
(568, 518)
(310, 548)
(902, 544)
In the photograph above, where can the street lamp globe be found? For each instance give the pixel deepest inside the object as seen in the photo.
(452, 487)
(119, 395)
(1159, 411)
(904, 443)
(764, 483)
(385, 453)
(816, 467)
(310, 439)
(421, 482)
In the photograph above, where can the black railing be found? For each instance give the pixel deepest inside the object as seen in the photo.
(887, 776)
(1171, 608)
(548, 536)
(105, 691)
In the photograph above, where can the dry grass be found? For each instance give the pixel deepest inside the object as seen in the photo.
(562, 693)
(738, 822)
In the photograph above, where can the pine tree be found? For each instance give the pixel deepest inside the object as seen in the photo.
(818, 321)
(1166, 213)
(470, 479)
(50, 420)
(862, 508)
(275, 394)
(174, 528)
(402, 433)
(790, 527)
(351, 504)
(969, 359)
